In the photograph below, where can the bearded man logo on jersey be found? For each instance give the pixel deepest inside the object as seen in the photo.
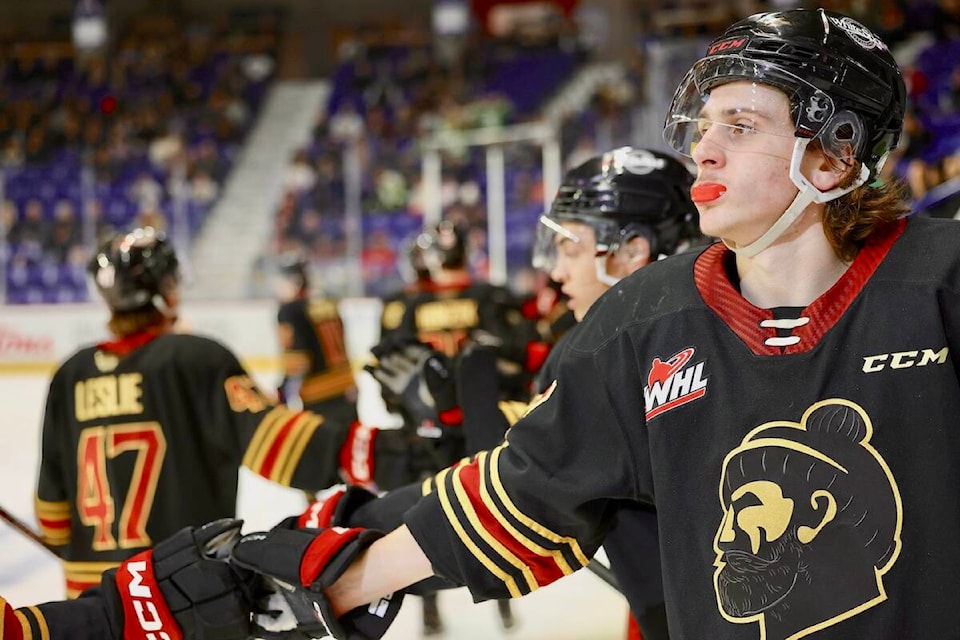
(811, 514)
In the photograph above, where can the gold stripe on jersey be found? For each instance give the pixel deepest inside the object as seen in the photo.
(54, 521)
(21, 619)
(86, 571)
(256, 450)
(494, 509)
(329, 384)
(292, 449)
(513, 410)
(464, 498)
(530, 523)
(426, 487)
(295, 363)
(468, 542)
(39, 622)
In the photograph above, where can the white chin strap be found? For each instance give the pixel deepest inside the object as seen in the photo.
(807, 194)
(602, 275)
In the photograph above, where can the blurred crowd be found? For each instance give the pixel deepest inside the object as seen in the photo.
(94, 143)
(147, 135)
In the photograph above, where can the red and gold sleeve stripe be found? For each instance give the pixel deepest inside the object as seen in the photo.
(54, 519)
(279, 442)
(80, 576)
(26, 623)
(510, 544)
(331, 383)
(513, 410)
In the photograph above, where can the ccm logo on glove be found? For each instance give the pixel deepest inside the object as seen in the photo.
(136, 578)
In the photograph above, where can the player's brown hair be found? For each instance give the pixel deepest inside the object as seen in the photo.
(127, 323)
(850, 219)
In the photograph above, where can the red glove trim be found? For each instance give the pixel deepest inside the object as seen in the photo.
(537, 353)
(322, 550)
(146, 615)
(357, 454)
(451, 417)
(319, 514)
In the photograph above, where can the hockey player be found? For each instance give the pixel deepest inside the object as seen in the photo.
(449, 312)
(785, 399)
(416, 277)
(143, 434)
(316, 367)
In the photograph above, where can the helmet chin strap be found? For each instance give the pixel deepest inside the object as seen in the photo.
(602, 275)
(807, 194)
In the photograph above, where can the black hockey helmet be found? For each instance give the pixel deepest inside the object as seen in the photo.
(444, 246)
(844, 86)
(293, 266)
(131, 270)
(621, 194)
(410, 262)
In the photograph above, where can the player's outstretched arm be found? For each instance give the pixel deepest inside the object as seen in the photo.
(182, 589)
(299, 568)
(389, 565)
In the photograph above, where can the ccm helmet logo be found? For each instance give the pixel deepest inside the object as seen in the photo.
(730, 44)
(904, 359)
(142, 598)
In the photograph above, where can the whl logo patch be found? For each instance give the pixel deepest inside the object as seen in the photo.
(673, 382)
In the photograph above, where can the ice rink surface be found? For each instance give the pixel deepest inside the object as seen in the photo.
(580, 607)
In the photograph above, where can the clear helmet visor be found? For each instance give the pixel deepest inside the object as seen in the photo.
(743, 118)
(553, 229)
(545, 245)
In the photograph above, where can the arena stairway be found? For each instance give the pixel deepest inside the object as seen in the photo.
(239, 226)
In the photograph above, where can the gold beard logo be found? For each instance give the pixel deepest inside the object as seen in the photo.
(811, 523)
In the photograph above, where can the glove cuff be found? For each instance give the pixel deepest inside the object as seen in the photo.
(334, 507)
(356, 456)
(136, 603)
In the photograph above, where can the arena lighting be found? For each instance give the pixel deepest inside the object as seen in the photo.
(89, 25)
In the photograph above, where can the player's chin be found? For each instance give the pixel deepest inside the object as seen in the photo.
(574, 304)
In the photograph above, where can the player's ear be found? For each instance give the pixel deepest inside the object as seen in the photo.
(635, 253)
(824, 171)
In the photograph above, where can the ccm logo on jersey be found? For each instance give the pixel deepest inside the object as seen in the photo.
(672, 383)
(150, 619)
(904, 359)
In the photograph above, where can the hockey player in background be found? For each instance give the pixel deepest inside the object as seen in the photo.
(416, 278)
(316, 368)
(615, 213)
(448, 311)
(144, 434)
(784, 399)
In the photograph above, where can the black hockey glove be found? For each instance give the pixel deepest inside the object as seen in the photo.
(183, 589)
(417, 382)
(294, 567)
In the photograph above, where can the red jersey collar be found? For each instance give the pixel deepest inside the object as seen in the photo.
(745, 319)
(127, 344)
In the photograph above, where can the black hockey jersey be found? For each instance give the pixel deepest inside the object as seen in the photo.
(801, 469)
(85, 618)
(145, 436)
(312, 333)
(445, 317)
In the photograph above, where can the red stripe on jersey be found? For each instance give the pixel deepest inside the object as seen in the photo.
(75, 586)
(273, 453)
(544, 568)
(48, 523)
(744, 318)
(10, 627)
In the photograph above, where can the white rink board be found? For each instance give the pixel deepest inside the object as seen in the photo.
(580, 607)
